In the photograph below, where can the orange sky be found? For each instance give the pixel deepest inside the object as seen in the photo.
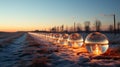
(32, 27)
(24, 15)
(16, 28)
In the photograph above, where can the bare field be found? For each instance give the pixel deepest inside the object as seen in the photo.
(27, 50)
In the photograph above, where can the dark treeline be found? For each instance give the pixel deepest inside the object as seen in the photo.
(87, 28)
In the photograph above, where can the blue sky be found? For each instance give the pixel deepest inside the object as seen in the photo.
(37, 14)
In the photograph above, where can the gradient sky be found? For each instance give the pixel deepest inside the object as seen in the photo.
(18, 15)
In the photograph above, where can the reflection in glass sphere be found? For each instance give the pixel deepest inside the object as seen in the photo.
(57, 38)
(96, 43)
(64, 40)
(76, 40)
(50, 37)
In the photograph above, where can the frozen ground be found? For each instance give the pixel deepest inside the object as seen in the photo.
(8, 54)
(6, 38)
(70, 57)
(31, 50)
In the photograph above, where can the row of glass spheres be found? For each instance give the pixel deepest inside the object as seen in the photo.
(96, 43)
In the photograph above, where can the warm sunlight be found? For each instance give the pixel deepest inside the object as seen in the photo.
(59, 33)
(97, 50)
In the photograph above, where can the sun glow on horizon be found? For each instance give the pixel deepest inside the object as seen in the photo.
(24, 15)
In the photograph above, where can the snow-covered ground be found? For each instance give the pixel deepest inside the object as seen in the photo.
(7, 38)
(34, 50)
(70, 57)
(9, 54)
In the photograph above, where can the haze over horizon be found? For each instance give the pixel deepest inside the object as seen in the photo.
(27, 15)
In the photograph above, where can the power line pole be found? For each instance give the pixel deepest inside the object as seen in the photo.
(114, 24)
(74, 27)
(74, 23)
(114, 18)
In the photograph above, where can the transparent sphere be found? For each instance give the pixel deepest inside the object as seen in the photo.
(76, 40)
(96, 43)
(58, 38)
(51, 37)
(64, 39)
(65, 36)
(57, 35)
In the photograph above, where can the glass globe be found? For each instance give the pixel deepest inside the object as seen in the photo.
(76, 40)
(57, 38)
(64, 39)
(96, 43)
(51, 37)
